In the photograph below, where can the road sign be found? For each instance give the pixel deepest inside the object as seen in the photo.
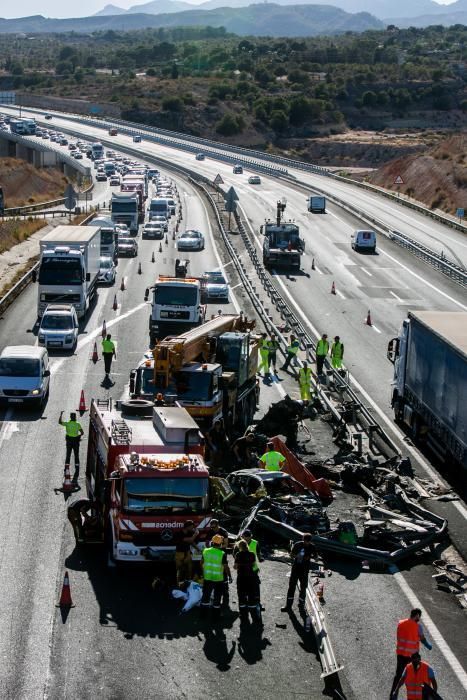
(398, 180)
(70, 197)
(230, 198)
(218, 180)
(460, 213)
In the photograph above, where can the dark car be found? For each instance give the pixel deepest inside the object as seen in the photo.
(237, 169)
(127, 247)
(288, 500)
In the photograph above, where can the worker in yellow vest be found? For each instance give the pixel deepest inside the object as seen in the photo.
(264, 354)
(73, 433)
(337, 353)
(215, 571)
(108, 353)
(304, 381)
(271, 460)
(292, 351)
(322, 350)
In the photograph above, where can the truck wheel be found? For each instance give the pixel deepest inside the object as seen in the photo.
(137, 407)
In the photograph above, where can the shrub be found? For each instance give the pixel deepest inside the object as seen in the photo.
(230, 125)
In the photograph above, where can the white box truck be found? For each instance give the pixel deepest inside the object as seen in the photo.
(69, 267)
(316, 204)
(124, 209)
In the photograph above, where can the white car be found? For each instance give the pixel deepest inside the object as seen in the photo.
(159, 219)
(107, 272)
(114, 180)
(216, 285)
(153, 229)
(122, 229)
(24, 375)
(190, 240)
(254, 180)
(59, 327)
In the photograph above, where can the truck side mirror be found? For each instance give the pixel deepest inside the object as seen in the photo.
(146, 294)
(132, 381)
(393, 350)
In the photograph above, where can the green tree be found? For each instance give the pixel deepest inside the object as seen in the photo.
(172, 104)
(302, 110)
(230, 125)
(279, 121)
(369, 98)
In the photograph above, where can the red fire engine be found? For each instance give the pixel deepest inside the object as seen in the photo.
(145, 477)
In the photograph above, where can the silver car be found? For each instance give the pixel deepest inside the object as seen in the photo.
(216, 285)
(107, 271)
(190, 240)
(59, 327)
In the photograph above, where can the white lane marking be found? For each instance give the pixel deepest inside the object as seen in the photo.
(396, 297)
(236, 285)
(375, 328)
(317, 270)
(6, 430)
(339, 294)
(363, 269)
(411, 272)
(435, 634)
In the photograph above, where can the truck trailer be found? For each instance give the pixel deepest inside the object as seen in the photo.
(145, 477)
(69, 267)
(316, 204)
(429, 387)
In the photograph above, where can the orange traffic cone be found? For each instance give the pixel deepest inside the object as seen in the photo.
(139, 269)
(333, 288)
(166, 239)
(67, 483)
(65, 596)
(313, 264)
(104, 329)
(176, 228)
(153, 257)
(368, 319)
(173, 235)
(82, 403)
(95, 356)
(122, 285)
(115, 305)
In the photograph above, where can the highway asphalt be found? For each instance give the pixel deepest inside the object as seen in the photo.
(122, 639)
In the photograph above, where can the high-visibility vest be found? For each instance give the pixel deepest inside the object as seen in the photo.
(264, 344)
(108, 345)
(72, 428)
(304, 376)
(293, 348)
(323, 347)
(408, 637)
(273, 460)
(337, 350)
(415, 679)
(213, 568)
(273, 345)
(253, 546)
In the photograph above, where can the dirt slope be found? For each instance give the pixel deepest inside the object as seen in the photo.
(24, 184)
(438, 178)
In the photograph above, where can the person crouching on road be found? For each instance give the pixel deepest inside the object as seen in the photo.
(247, 582)
(215, 568)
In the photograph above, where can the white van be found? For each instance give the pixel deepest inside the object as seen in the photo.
(24, 375)
(363, 240)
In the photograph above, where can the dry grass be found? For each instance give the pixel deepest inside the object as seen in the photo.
(16, 231)
(24, 184)
(4, 289)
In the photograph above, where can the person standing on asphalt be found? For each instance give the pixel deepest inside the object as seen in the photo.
(304, 381)
(301, 554)
(410, 633)
(215, 570)
(271, 460)
(273, 346)
(73, 433)
(216, 529)
(322, 350)
(337, 353)
(419, 678)
(292, 351)
(264, 354)
(108, 353)
(183, 560)
(244, 450)
(247, 582)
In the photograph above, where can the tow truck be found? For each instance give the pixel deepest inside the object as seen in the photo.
(177, 305)
(282, 245)
(145, 477)
(210, 370)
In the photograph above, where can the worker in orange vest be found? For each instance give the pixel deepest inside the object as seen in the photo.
(409, 635)
(419, 678)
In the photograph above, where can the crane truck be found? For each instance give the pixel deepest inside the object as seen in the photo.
(210, 370)
(282, 245)
(430, 380)
(145, 477)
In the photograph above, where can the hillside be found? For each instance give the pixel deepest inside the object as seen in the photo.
(438, 177)
(24, 184)
(256, 20)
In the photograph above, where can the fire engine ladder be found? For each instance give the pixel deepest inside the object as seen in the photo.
(121, 433)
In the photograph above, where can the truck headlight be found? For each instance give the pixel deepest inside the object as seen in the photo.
(68, 338)
(42, 297)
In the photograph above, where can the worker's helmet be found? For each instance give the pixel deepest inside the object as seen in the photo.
(217, 539)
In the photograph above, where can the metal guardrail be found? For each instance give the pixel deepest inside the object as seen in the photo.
(440, 262)
(317, 619)
(18, 211)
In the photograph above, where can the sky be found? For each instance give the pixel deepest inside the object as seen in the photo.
(57, 8)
